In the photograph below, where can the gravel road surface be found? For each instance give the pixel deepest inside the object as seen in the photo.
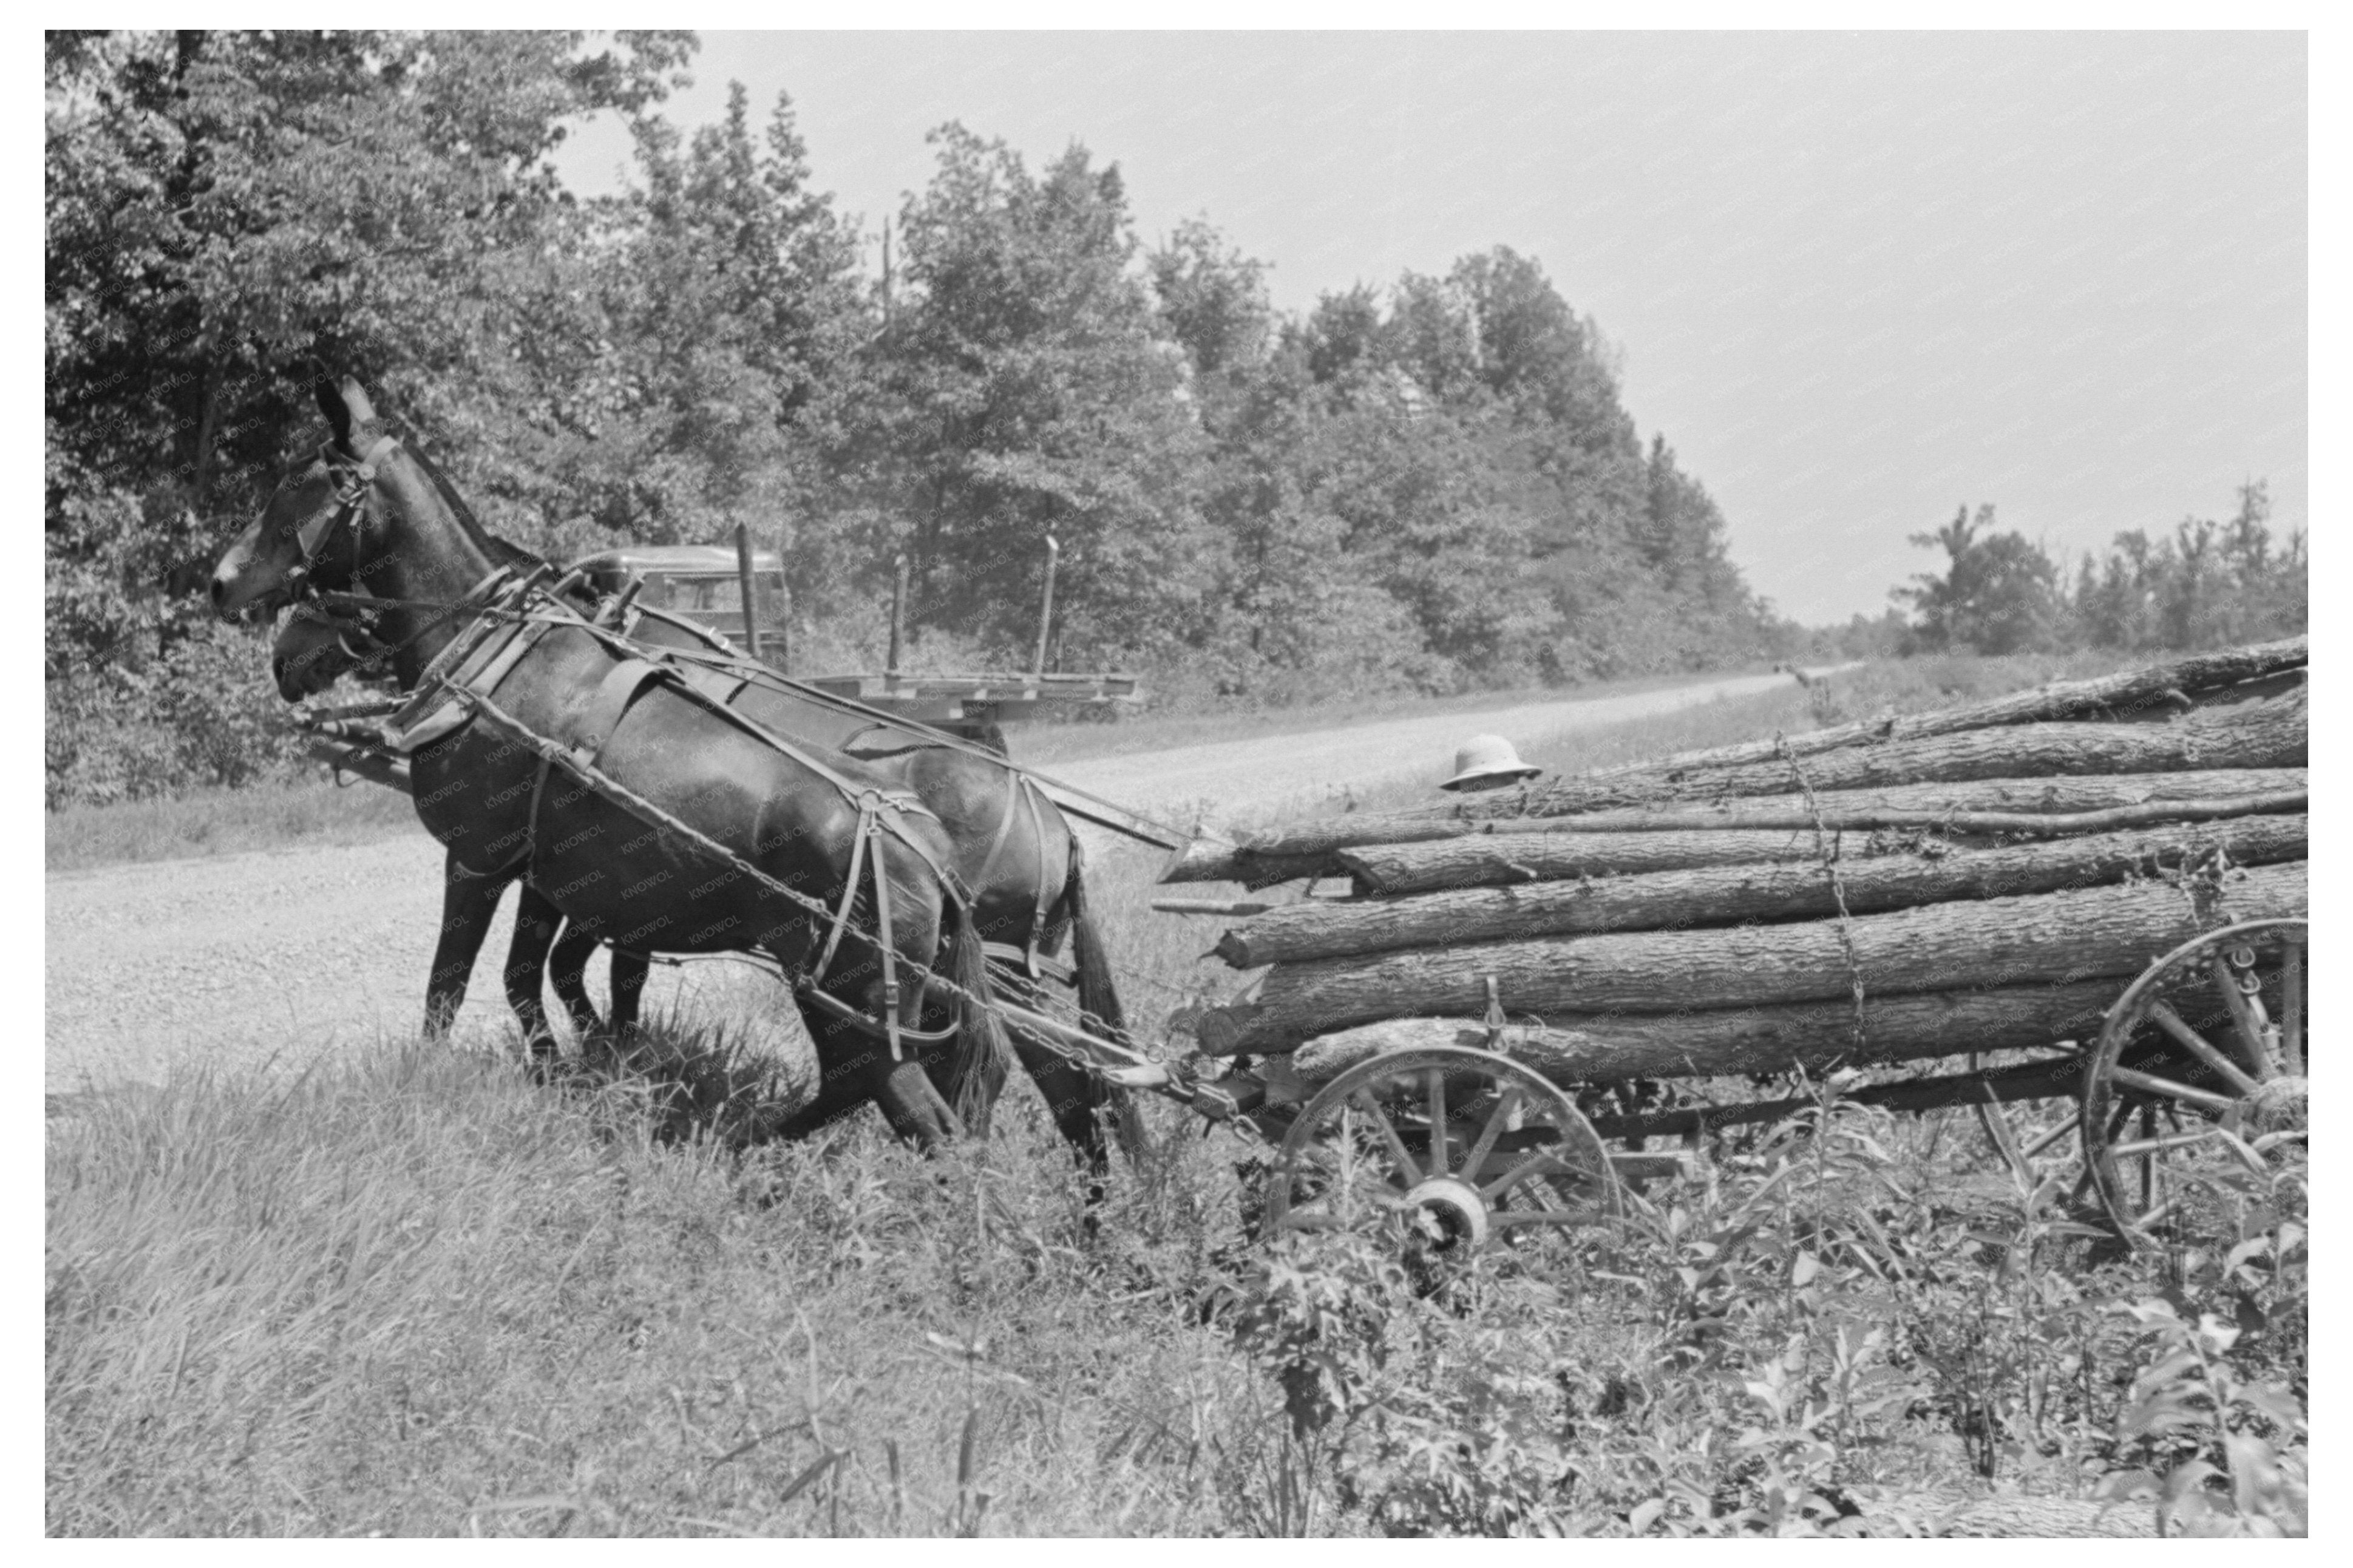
(237, 959)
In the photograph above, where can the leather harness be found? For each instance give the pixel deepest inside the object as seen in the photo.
(513, 613)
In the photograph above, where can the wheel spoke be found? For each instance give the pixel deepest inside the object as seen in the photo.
(1996, 1124)
(2147, 1167)
(2243, 1022)
(1506, 1104)
(1437, 1122)
(2196, 1044)
(2292, 1008)
(2035, 1150)
(1534, 1165)
(1504, 1219)
(2149, 1083)
(1398, 1152)
(2143, 1148)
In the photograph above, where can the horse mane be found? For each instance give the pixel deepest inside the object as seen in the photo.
(504, 551)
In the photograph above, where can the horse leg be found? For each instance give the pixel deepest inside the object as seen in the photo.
(845, 1083)
(914, 1108)
(629, 980)
(1092, 1103)
(468, 901)
(536, 922)
(1075, 1099)
(567, 971)
(1078, 1102)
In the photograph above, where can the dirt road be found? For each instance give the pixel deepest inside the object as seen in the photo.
(245, 958)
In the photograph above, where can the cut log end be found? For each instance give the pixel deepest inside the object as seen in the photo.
(1209, 857)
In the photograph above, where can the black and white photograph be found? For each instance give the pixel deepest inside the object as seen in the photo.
(1253, 776)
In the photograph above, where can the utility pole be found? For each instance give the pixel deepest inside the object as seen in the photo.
(1046, 610)
(784, 660)
(897, 617)
(744, 587)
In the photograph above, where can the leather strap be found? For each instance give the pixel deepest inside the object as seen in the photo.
(531, 822)
(589, 734)
(866, 827)
(1046, 887)
(860, 1021)
(849, 898)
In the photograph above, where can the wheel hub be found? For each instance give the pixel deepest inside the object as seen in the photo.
(1454, 1206)
(2280, 1105)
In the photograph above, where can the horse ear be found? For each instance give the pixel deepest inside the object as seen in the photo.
(346, 407)
(338, 412)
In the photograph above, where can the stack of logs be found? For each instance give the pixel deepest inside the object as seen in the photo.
(1978, 878)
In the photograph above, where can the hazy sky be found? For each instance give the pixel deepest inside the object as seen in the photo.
(1855, 279)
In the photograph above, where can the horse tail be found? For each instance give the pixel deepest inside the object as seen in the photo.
(982, 1054)
(1099, 1000)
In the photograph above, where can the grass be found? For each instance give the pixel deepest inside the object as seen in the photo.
(305, 812)
(409, 1293)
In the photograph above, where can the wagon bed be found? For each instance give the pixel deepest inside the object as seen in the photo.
(2092, 895)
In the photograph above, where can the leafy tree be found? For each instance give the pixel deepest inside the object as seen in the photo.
(1212, 300)
(223, 208)
(729, 305)
(1995, 596)
(2208, 585)
(1433, 486)
(1023, 391)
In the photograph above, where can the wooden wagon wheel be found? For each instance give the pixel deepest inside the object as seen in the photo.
(1464, 1146)
(2198, 1084)
(2039, 1139)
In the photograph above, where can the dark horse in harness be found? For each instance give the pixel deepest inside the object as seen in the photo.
(653, 816)
(1013, 847)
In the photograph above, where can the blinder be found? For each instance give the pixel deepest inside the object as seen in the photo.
(352, 482)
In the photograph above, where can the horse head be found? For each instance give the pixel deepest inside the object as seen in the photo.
(315, 649)
(315, 531)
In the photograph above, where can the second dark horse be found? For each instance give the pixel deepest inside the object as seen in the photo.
(369, 513)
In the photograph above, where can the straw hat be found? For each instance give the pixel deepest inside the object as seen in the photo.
(1487, 757)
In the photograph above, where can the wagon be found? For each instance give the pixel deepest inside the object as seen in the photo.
(1515, 1008)
(711, 584)
(971, 703)
(1492, 1030)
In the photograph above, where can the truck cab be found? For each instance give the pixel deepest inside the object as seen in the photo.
(697, 581)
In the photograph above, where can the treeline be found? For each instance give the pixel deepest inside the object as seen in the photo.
(2206, 585)
(1433, 487)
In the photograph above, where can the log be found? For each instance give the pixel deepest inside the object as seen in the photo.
(2064, 936)
(2130, 691)
(1227, 907)
(1208, 857)
(1308, 849)
(1507, 859)
(1816, 1035)
(1728, 895)
(1553, 848)
(2257, 735)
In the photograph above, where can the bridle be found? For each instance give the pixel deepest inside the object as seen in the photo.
(352, 481)
(356, 614)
